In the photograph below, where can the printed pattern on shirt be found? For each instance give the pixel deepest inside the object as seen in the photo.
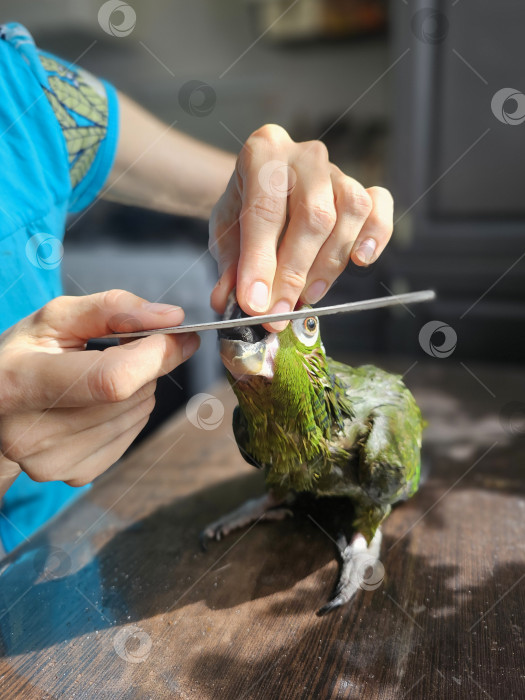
(80, 106)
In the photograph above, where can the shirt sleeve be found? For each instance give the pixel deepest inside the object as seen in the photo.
(87, 110)
(85, 107)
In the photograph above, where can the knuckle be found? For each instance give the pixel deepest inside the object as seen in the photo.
(292, 278)
(268, 209)
(319, 217)
(323, 219)
(382, 193)
(113, 297)
(108, 385)
(335, 263)
(356, 200)
(318, 150)
(262, 261)
(271, 134)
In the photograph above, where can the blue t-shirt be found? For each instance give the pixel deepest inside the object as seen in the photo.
(58, 137)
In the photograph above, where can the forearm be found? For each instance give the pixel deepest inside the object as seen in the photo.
(160, 168)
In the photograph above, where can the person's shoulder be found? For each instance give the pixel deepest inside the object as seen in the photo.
(20, 49)
(34, 178)
(61, 128)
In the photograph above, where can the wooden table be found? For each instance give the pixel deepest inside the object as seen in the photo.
(115, 599)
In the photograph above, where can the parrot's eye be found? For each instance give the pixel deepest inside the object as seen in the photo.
(306, 330)
(310, 325)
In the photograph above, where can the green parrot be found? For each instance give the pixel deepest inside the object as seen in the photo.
(319, 426)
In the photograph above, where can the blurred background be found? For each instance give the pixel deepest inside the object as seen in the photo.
(421, 97)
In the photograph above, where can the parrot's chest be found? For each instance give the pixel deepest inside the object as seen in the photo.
(323, 466)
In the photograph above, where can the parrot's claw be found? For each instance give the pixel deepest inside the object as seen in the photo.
(332, 605)
(357, 560)
(267, 507)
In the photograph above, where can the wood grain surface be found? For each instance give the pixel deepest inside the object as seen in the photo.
(115, 599)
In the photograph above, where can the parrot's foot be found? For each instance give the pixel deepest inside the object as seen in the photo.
(360, 568)
(267, 507)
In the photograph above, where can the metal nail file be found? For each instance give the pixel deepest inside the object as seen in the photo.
(350, 307)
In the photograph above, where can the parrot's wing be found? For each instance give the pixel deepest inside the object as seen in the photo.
(388, 454)
(240, 432)
(389, 464)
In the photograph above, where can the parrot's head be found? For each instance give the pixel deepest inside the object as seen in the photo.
(289, 402)
(250, 352)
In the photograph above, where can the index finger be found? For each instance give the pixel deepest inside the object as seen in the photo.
(265, 183)
(82, 378)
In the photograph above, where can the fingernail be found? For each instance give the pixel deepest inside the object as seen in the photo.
(258, 296)
(281, 307)
(190, 346)
(156, 308)
(366, 251)
(315, 291)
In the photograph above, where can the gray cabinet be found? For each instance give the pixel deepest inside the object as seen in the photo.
(458, 168)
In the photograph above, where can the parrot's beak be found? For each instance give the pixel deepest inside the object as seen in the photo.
(246, 350)
(241, 358)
